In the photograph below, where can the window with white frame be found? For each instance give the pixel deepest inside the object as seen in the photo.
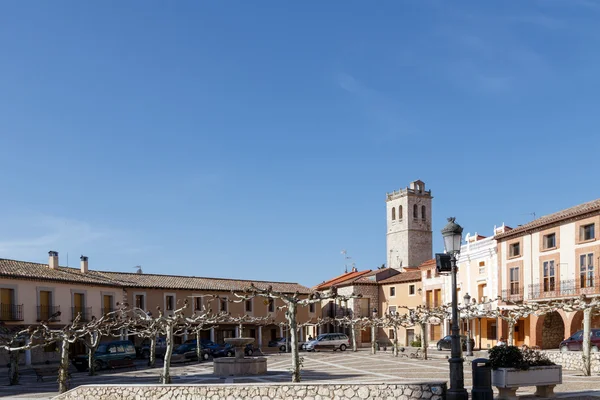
(411, 290)
(249, 305)
(392, 291)
(586, 270)
(549, 276)
(515, 280)
(271, 305)
(197, 303)
(481, 267)
(311, 308)
(392, 310)
(515, 249)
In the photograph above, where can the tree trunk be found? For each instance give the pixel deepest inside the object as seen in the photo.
(63, 369)
(152, 356)
(165, 378)
(198, 345)
(395, 341)
(291, 317)
(511, 332)
(91, 348)
(587, 322)
(424, 343)
(13, 372)
(353, 333)
(373, 342)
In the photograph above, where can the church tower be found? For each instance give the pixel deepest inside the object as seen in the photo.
(409, 236)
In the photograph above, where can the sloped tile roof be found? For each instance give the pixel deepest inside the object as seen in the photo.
(428, 264)
(573, 212)
(197, 283)
(341, 279)
(41, 272)
(408, 276)
(37, 271)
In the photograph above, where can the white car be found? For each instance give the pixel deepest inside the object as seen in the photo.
(333, 341)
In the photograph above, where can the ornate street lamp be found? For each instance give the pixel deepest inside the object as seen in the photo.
(452, 234)
(467, 300)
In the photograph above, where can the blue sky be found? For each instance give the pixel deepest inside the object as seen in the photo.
(257, 140)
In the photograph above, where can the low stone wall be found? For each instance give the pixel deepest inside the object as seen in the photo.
(289, 391)
(573, 360)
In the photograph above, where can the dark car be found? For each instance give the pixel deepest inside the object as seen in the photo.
(575, 342)
(160, 347)
(210, 346)
(117, 350)
(187, 352)
(446, 343)
(281, 344)
(228, 350)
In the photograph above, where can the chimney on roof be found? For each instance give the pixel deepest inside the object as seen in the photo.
(354, 269)
(84, 264)
(53, 259)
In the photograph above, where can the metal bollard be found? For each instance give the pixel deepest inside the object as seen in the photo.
(482, 380)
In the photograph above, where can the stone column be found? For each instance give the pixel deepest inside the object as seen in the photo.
(260, 336)
(212, 334)
(302, 334)
(237, 331)
(280, 331)
(185, 336)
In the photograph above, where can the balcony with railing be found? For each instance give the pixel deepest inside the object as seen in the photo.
(86, 313)
(587, 285)
(48, 313)
(11, 312)
(513, 295)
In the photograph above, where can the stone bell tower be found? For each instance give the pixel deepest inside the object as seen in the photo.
(409, 236)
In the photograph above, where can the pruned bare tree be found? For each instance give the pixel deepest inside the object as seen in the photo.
(512, 312)
(422, 316)
(292, 301)
(587, 305)
(16, 341)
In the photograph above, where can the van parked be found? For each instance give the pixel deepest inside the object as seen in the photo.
(117, 350)
(333, 341)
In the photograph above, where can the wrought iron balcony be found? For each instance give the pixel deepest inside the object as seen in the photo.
(565, 288)
(48, 313)
(11, 312)
(86, 313)
(513, 295)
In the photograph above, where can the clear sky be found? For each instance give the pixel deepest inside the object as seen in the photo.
(257, 139)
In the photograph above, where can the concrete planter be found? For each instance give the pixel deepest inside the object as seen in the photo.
(508, 380)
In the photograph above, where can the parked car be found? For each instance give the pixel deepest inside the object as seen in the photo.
(117, 350)
(143, 351)
(210, 346)
(575, 342)
(227, 350)
(446, 343)
(334, 341)
(281, 344)
(187, 352)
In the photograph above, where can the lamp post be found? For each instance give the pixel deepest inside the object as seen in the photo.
(452, 234)
(467, 300)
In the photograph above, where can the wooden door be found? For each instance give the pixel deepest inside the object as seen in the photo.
(6, 298)
(77, 304)
(44, 305)
(437, 297)
(107, 303)
(436, 333)
(365, 335)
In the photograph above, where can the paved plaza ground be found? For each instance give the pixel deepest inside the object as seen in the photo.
(338, 366)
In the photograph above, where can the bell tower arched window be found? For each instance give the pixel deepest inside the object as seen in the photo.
(393, 213)
(423, 212)
(399, 212)
(415, 211)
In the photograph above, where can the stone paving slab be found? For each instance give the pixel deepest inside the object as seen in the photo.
(343, 367)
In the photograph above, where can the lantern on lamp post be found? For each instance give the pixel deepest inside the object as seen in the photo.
(452, 234)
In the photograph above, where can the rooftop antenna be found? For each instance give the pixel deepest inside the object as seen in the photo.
(346, 258)
(139, 269)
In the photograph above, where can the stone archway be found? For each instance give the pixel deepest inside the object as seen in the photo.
(552, 330)
(576, 323)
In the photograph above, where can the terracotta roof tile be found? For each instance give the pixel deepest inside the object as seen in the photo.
(579, 210)
(198, 283)
(409, 276)
(428, 264)
(37, 271)
(341, 279)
